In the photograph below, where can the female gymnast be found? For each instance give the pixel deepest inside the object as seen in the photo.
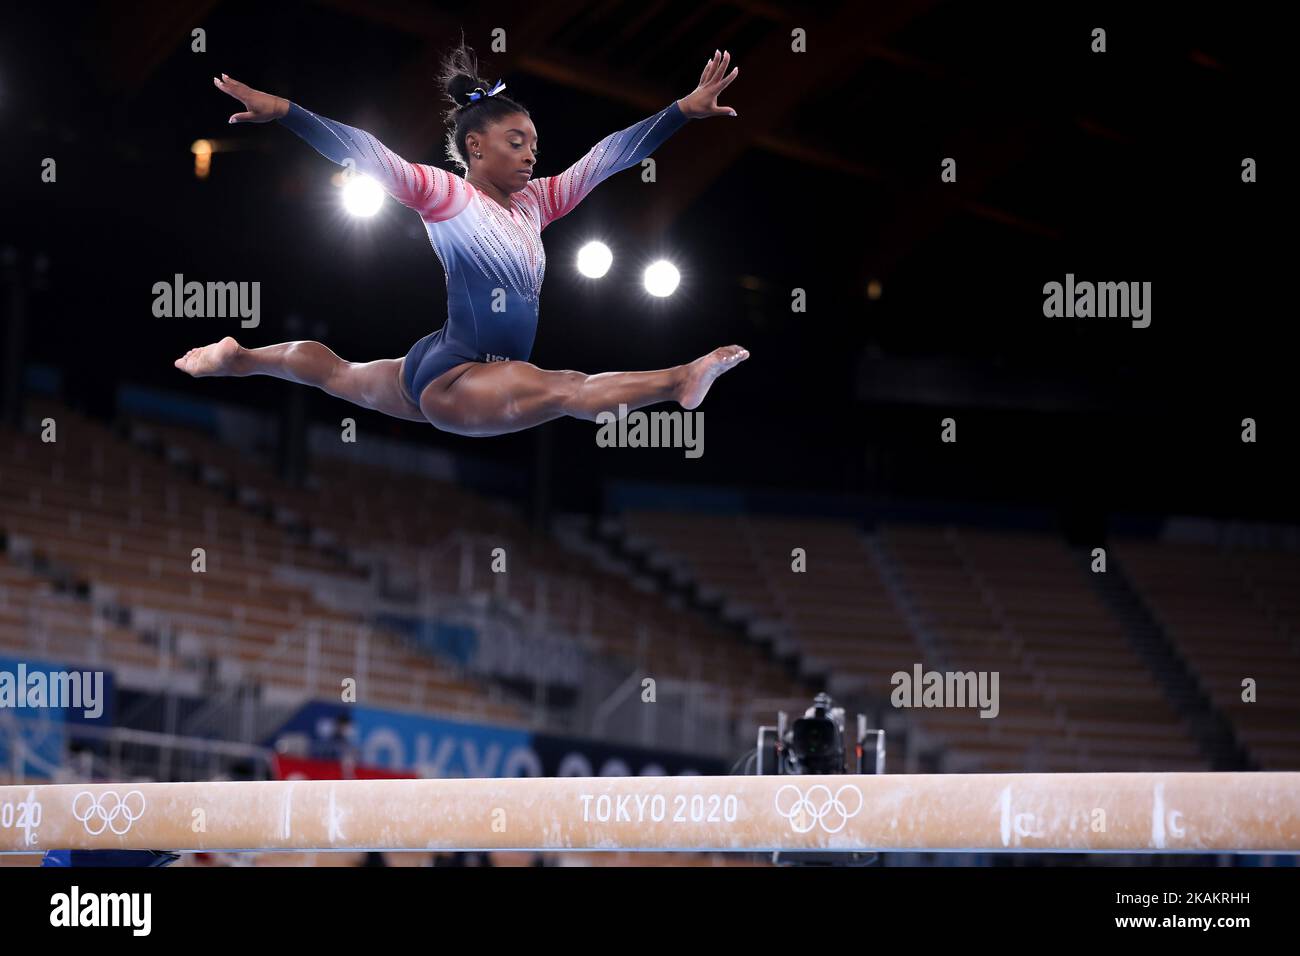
(472, 377)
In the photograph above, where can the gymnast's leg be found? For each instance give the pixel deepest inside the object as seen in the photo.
(374, 385)
(499, 397)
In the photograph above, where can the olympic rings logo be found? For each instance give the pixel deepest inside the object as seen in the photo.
(819, 808)
(108, 811)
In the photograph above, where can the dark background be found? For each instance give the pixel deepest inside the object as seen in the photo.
(1124, 166)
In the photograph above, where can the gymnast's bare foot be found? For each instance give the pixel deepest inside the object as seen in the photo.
(216, 359)
(701, 373)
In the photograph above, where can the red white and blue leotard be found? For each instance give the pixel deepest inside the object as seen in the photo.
(493, 258)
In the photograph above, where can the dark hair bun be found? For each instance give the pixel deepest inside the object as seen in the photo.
(460, 86)
(459, 76)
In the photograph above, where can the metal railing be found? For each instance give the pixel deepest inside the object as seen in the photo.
(127, 754)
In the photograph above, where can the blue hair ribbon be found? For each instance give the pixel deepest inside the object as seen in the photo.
(478, 92)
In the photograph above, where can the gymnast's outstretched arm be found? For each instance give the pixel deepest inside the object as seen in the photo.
(558, 195)
(432, 192)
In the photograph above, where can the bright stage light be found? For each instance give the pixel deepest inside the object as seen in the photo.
(594, 259)
(661, 278)
(202, 150)
(362, 196)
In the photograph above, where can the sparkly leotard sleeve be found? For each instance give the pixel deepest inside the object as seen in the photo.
(432, 192)
(492, 256)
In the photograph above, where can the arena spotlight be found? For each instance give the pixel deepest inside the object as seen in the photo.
(202, 150)
(594, 259)
(661, 278)
(362, 196)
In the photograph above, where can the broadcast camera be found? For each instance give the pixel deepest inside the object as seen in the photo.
(815, 744)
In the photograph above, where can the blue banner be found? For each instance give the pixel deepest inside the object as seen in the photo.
(32, 733)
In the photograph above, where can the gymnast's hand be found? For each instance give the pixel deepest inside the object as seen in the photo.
(703, 102)
(261, 107)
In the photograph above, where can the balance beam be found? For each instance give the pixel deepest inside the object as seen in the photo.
(1074, 812)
